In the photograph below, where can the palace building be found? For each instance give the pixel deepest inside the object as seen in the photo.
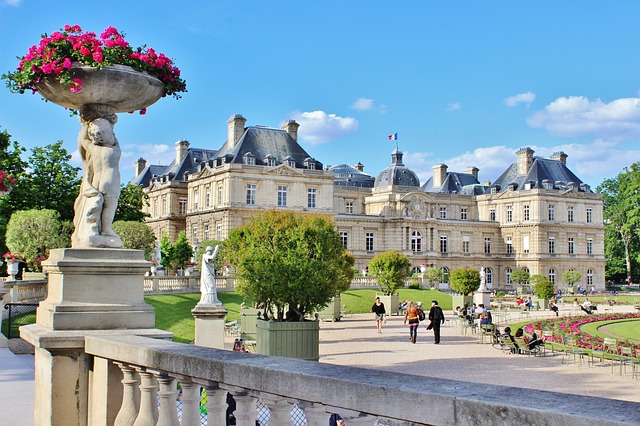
(537, 215)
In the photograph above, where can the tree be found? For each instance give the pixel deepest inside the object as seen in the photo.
(137, 236)
(544, 289)
(53, 182)
(434, 276)
(571, 277)
(521, 277)
(536, 278)
(464, 280)
(33, 233)
(166, 251)
(288, 262)
(347, 272)
(12, 164)
(182, 251)
(390, 269)
(132, 199)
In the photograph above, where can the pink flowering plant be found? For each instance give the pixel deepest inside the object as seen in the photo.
(6, 182)
(57, 53)
(12, 257)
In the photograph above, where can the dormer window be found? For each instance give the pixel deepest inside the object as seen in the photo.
(310, 163)
(270, 160)
(289, 161)
(249, 159)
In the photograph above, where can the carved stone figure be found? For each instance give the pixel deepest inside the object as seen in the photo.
(209, 295)
(96, 204)
(483, 282)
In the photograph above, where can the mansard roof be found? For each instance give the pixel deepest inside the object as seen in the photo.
(263, 142)
(456, 183)
(346, 175)
(544, 173)
(190, 163)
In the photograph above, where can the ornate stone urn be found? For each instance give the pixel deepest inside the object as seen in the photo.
(105, 92)
(13, 268)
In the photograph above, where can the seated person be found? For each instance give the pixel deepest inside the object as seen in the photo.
(507, 335)
(529, 303)
(520, 301)
(485, 320)
(553, 307)
(587, 307)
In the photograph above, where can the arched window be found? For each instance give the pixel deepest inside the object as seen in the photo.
(445, 272)
(415, 270)
(508, 272)
(589, 277)
(526, 270)
(488, 276)
(416, 241)
(552, 276)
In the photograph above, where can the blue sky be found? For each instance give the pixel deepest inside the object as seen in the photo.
(464, 83)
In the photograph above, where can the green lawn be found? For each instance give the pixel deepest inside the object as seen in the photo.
(360, 301)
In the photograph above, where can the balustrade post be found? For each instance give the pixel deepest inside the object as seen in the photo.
(190, 403)
(155, 284)
(148, 413)
(216, 405)
(280, 409)
(246, 411)
(130, 396)
(168, 393)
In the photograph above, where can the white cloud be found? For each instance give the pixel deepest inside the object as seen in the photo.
(319, 127)
(520, 98)
(578, 116)
(362, 104)
(454, 106)
(11, 2)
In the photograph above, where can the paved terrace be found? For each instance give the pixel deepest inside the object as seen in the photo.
(355, 342)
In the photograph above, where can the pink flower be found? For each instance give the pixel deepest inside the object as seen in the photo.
(76, 86)
(84, 51)
(97, 56)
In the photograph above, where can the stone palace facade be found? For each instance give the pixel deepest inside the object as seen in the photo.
(537, 215)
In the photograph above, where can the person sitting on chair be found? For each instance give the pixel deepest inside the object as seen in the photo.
(587, 307)
(553, 307)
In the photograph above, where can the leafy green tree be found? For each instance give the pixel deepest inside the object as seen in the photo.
(390, 269)
(136, 235)
(33, 233)
(347, 272)
(12, 164)
(288, 262)
(130, 204)
(182, 251)
(434, 276)
(536, 278)
(544, 289)
(571, 277)
(520, 276)
(166, 251)
(53, 182)
(464, 280)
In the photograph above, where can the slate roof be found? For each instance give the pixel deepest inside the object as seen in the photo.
(543, 173)
(346, 175)
(397, 173)
(456, 183)
(263, 141)
(190, 163)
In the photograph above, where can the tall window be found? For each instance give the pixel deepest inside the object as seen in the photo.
(207, 196)
(589, 215)
(282, 196)
(464, 213)
(488, 276)
(552, 245)
(219, 232)
(311, 197)
(344, 238)
(552, 212)
(552, 276)
(487, 245)
(445, 274)
(195, 199)
(206, 232)
(507, 273)
(443, 243)
(164, 205)
(416, 241)
(569, 214)
(525, 212)
(443, 212)
(509, 213)
(348, 207)
(183, 206)
(465, 244)
(251, 193)
(369, 241)
(195, 235)
(589, 277)
(570, 245)
(492, 214)
(589, 245)
(525, 244)
(219, 195)
(509, 245)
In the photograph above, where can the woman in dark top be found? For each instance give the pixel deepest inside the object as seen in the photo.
(378, 309)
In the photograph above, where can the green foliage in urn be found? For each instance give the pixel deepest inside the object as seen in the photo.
(136, 235)
(288, 263)
(571, 277)
(544, 289)
(390, 269)
(521, 277)
(464, 280)
(434, 276)
(33, 233)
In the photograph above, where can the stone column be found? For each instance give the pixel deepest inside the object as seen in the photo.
(210, 320)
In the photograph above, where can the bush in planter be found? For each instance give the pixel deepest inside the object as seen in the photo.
(521, 277)
(464, 280)
(544, 289)
(390, 269)
(290, 263)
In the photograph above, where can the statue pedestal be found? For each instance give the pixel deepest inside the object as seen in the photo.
(482, 297)
(210, 320)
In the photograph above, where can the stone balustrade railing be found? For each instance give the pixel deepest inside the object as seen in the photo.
(149, 370)
(23, 291)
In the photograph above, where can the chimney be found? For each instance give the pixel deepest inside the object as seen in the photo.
(359, 167)
(235, 129)
(291, 127)
(525, 158)
(439, 174)
(182, 146)
(139, 166)
(559, 156)
(472, 170)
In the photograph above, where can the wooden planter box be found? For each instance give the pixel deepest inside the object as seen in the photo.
(331, 312)
(248, 319)
(391, 303)
(289, 339)
(458, 300)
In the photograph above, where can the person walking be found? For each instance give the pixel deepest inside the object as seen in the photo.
(378, 309)
(436, 316)
(411, 315)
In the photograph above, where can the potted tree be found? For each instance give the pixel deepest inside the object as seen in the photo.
(464, 281)
(544, 291)
(290, 265)
(390, 269)
(333, 311)
(521, 278)
(571, 277)
(435, 276)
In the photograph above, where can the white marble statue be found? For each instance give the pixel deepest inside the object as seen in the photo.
(483, 281)
(209, 295)
(96, 204)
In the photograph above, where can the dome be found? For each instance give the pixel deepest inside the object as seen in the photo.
(397, 173)
(346, 175)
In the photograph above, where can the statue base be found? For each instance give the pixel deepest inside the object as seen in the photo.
(482, 297)
(210, 321)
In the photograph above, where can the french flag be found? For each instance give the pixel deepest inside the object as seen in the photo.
(393, 137)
